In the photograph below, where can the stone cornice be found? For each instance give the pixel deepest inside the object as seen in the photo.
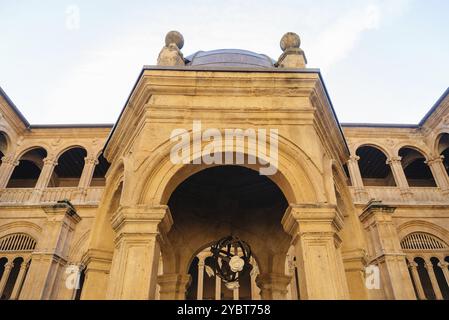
(168, 81)
(374, 207)
(12, 115)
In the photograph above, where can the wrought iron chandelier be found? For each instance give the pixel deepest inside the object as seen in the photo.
(231, 260)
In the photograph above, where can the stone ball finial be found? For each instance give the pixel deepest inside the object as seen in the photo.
(176, 38)
(290, 40)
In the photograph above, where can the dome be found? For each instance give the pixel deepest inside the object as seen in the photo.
(229, 58)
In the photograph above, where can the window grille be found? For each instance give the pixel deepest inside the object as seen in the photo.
(17, 242)
(422, 241)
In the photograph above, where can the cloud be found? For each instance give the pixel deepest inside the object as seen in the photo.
(341, 36)
(99, 83)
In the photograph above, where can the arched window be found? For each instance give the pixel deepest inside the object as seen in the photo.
(15, 250)
(428, 270)
(422, 241)
(443, 149)
(69, 169)
(213, 287)
(26, 174)
(374, 168)
(416, 170)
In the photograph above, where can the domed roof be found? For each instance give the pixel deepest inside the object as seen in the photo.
(230, 58)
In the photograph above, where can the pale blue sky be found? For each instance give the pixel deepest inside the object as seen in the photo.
(383, 61)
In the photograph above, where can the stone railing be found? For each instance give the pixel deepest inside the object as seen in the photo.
(19, 196)
(394, 195)
(15, 195)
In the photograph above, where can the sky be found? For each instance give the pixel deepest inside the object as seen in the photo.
(383, 61)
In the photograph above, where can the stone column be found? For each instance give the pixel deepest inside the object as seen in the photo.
(444, 267)
(439, 173)
(217, 288)
(255, 295)
(236, 293)
(50, 257)
(19, 281)
(44, 179)
(314, 228)
(88, 172)
(354, 262)
(386, 251)
(86, 177)
(135, 263)
(6, 169)
(273, 286)
(292, 290)
(98, 265)
(433, 279)
(173, 286)
(199, 292)
(356, 177)
(5, 276)
(399, 175)
(414, 271)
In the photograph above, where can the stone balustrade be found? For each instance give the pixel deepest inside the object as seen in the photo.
(20, 196)
(395, 195)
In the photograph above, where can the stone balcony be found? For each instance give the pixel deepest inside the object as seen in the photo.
(397, 196)
(30, 196)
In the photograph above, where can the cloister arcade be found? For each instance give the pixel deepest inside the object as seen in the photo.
(34, 174)
(427, 259)
(15, 260)
(403, 167)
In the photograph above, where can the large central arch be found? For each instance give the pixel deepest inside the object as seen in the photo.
(297, 175)
(226, 200)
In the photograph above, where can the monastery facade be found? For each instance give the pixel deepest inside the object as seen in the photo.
(352, 211)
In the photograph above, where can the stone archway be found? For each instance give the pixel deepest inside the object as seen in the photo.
(144, 222)
(221, 201)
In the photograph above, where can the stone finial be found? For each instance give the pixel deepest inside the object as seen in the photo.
(293, 56)
(171, 54)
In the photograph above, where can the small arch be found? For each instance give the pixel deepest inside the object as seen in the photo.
(415, 168)
(11, 282)
(441, 280)
(17, 242)
(373, 166)
(210, 280)
(27, 172)
(69, 169)
(424, 277)
(422, 241)
(421, 226)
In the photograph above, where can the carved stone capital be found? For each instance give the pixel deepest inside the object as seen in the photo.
(50, 162)
(142, 219)
(91, 161)
(323, 219)
(433, 160)
(394, 160)
(10, 160)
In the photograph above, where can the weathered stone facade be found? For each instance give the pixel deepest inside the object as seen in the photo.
(343, 198)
